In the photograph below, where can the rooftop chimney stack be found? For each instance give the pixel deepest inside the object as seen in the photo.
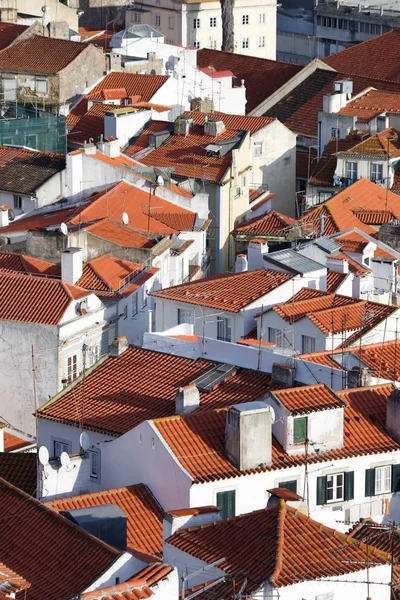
(187, 399)
(4, 219)
(71, 265)
(241, 263)
(393, 415)
(119, 345)
(182, 126)
(248, 435)
(189, 517)
(255, 251)
(213, 128)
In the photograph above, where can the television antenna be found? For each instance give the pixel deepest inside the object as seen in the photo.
(125, 218)
(84, 441)
(43, 456)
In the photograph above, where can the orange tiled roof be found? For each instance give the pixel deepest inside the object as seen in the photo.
(342, 209)
(383, 144)
(84, 557)
(198, 440)
(39, 54)
(89, 125)
(141, 384)
(234, 122)
(271, 224)
(369, 532)
(11, 582)
(308, 399)
(241, 541)
(35, 299)
(27, 264)
(355, 267)
(230, 292)
(362, 315)
(370, 105)
(380, 253)
(351, 242)
(119, 234)
(334, 281)
(145, 515)
(295, 308)
(322, 172)
(186, 154)
(133, 84)
(19, 469)
(13, 442)
(9, 32)
(375, 217)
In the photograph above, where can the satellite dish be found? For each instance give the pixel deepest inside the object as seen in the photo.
(11, 214)
(125, 218)
(272, 411)
(64, 229)
(160, 180)
(169, 66)
(160, 173)
(84, 441)
(43, 456)
(65, 459)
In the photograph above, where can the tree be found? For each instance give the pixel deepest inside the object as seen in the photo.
(228, 42)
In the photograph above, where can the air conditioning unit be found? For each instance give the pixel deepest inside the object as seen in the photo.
(82, 307)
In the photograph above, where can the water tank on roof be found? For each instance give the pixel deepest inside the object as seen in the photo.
(107, 522)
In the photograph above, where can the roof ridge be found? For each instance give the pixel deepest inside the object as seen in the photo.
(280, 539)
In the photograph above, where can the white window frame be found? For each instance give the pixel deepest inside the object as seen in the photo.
(374, 167)
(38, 82)
(245, 43)
(158, 20)
(261, 41)
(261, 18)
(213, 21)
(308, 344)
(185, 315)
(135, 305)
(332, 484)
(94, 464)
(275, 336)
(245, 20)
(335, 132)
(351, 170)
(196, 23)
(64, 446)
(383, 479)
(72, 367)
(144, 296)
(258, 148)
(224, 329)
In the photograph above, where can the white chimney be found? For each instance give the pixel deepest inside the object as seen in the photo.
(332, 103)
(248, 435)
(71, 265)
(338, 265)
(187, 399)
(89, 147)
(74, 172)
(119, 345)
(255, 251)
(214, 128)
(241, 264)
(111, 147)
(189, 517)
(4, 220)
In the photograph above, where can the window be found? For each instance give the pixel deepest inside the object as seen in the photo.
(185, 315)
(60, 447)
(300, 430)
(245, 42)
(382, 480)
(94, 464)
(213, 21)
(72, 367)
(275, 336)
(322, 196)
(182, 269)
(381, 123)
(92, 355)
(137, 17)
(41, 85)
(158, 20)
(196, 23)
(245, 19)
(335, 132)
(351, 171)
(134, 305)
(224, 329)
(289, 485)
(261, 18)
(18, 202)
(335, 488)
(258, 148)
(196, 45)
(144, 297)
(171, 22)
(9, 87)
(261, 42)
(366, 261)
(226, 502)
(244, 181)
(213, 44)
(376, 172)
(307, 344)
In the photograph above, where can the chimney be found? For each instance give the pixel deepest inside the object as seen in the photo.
(4, 219)
(71, 265)
(119, 345)
(182, 126)
(189, 517)
(2, 428)
(241, 263)
(393, 415)
(338, 265)
(283, 374)
(187, 399)
(255, 251)
(89, 147)
(248, 435)
(111, 147)
(101, 144)
(213, 128)
(358, 377)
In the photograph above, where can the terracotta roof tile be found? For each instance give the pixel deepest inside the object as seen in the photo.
(186, 154)
(230, 292)
(306, 159)
(198, 440)
(374, 535)
(375, 217)
(274, 73)
(84, 557)
(144, 514)
(334, 281)
(19, 469)
(40, 221)
(39, 54)
(141, 384)
(373, 103)
(266, 198)
(133, 84)
(383, 144)
(119, 234)
(241, 541)
(343, 210)
(380, 253)
(352, 242)
(308, 399)
(11, 582)
(273, 224)
(35, 299)
(13, 442)
(323, 171)
(361, 316)
(23, 171)
(366, 58)
(9, 32)
(88, 126)
(355, 267)
(296, 308)
(234, 122)
(27, 264)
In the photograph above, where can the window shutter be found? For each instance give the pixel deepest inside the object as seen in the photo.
(226, 502)
(104, 342)
(289, 485)
(370, 482)
(321, 490)
(349, 485)
(299, 430)
(396, 478)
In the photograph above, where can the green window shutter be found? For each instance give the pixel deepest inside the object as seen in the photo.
(104, 342)
(299, 430)
(321, 490)
(370, 482)
(226, 502)
(396, 478)
(289, 485)
(349, 485)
